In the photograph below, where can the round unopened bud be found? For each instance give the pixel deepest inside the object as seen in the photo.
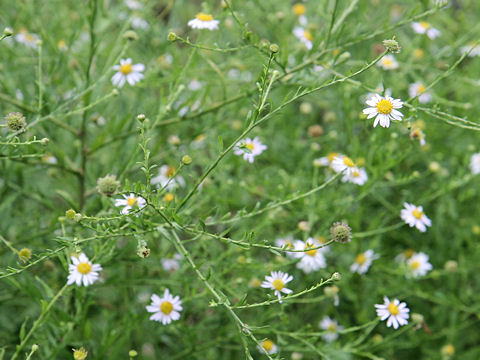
(336, 276)
(44, 141)
(141, 117)
(186, 160)
(377, 338)
(77, 217)
(304, 226)
(130, 35)
(70, 214)
(315, 131)
(7, 31)
(25, 254)
(417, 318)
(330, 117)
(392, 45)
(341, 232)
(132, 353)
(80, 354)
(274, 48)
(451, 266)
(434, 166)
(108, 185)
(172, 37)
(297, 355)
(15, 121)
(34, 348)
(115, 92)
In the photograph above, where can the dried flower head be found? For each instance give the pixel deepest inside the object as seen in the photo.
(15, 121)
(341, 232)
(108, 185)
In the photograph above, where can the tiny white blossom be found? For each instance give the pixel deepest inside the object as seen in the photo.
(326, 160)
(414, 216)
(424, 27)
(82, 271)
(304, 36)
(166, 308)
(351, 172)
(173, 263)
(418, 89)
(129, 202)
(267, 346)
(165, 178)
(310, 260)
(255, 147)
(396, 312)
(383, 109)
(472, 49)
(277, 281)
(126, 72)
(418, 265)
(332, 328)
(363, 261)
(133, 4)
(388, 62)
(27, 38)
(475, 163)
(204, 21)
(139, 23)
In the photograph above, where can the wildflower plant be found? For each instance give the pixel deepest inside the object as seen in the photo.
(208, 180)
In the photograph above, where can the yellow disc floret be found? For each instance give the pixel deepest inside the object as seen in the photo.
(347, 161)
(126, 69)
(393, 309)
(166, 307)
(204, 17)
(278, 284)
(131, 201)
(299, 9)
(417, 214)
(384, 106)
(268, 345)
(360, 259)
(84, 268)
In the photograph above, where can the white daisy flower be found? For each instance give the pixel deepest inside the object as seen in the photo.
(414, 216)
(383, 109)
(351, 172)
(363, 261)
(27, 38)
(396, 312)
(165, 179)
(286, 243)
(194, 85)
(358, 176)
(300, 10)
(424, 27)
(255, 147)
(405, 255)
(277, 282)
(311, 260)
(82, 271)
(304, 36)
(172, 264)
(326, 160)
(475, 50)
(267, 346)
(129, 202)
(332, 327)
(418, 89)
(49, 159)
(475, 163)
(418, 265)
(388, 62)
(204, 21)
(127, 73)
(166, 308)
(139, 23)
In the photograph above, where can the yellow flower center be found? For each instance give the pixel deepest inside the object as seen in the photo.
(356, 173)
(387, 61)
(268, 345)
(84, 268)
(384, 106)
(61, 44)
(332, 156)
(361, 258)
(424, 25)
(168, 197)
(415, 265)
(409, 253)
(166, 307)
(299, 9)
(417, 214)
(421, 88)
(418, 53)
(310, 252)
(131, 201)
(307, 35)
(331, 328)
(449, 349)
(321, 239)
(278, 284)
(171, 171)
(126, 69)
(393, 309)
(25, 254)
(204, 17)
(250, 146)
(347, 161)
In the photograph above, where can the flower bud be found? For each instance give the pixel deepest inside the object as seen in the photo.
(115, 92)
(315, 131)
(172, 37)
(274, 48)
(108, 185)
(417, 318)
(34, 348)
(336, 276)
(70, 214)
(448, 350)
(45, 141)
(77, 217)
(132, 353)
(392, 45)
(130, 35)
(7, 32)
(80, 354)
(451, 266)
(186, 160)
(141, 117)
(341, 232)
(16, 121)
(25, 254)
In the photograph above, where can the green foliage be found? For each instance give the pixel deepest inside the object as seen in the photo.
(76, 144)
